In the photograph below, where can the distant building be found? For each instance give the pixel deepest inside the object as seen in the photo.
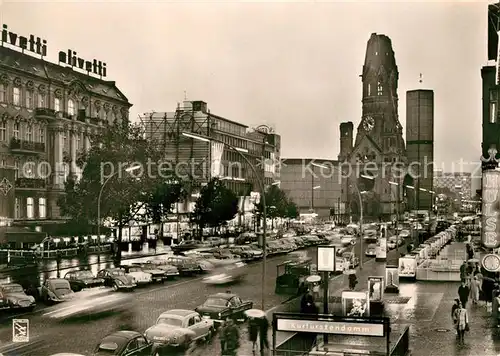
(314, 185)
(198, 144)
(457, 183)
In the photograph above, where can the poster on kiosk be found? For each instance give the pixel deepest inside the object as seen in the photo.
(376, 288)
(355, 303)
(391, 279)
(381, 250)
(407, 267)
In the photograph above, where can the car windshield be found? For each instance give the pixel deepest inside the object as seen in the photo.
(13, 288)
(60, 286)
(134, 269)
(215, 302)
(169, 321)
(110, 347)
(84, 274)
(117, 272)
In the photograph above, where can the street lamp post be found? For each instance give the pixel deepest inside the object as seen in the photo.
(129, 169)
(240, 151)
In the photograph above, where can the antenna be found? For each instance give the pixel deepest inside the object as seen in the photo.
(185, 95)
(421, 80)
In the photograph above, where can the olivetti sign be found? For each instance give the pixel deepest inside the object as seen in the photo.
(38, 46)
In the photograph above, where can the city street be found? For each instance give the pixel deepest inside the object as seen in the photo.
(148, 303)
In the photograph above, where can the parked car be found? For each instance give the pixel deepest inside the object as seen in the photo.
(347, 240)
(56, 290)
(140, 276)
(153, 266)
(117, 279)
(179, 328)
(392, 243)
(12, 296)
(186, 245)
(79, 280)
(404, 234)
(371, 250)
(248, 252)
(221, 306)
(124, 343)
(185, 265)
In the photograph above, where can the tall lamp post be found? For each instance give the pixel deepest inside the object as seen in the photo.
(313, 188)
(240, 151)
(128, 170)
(397, 185)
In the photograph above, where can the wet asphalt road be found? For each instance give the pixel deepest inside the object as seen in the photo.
(148, 304)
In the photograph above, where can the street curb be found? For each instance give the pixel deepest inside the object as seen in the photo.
(3, 271)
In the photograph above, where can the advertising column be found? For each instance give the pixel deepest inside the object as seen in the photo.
(381, 250)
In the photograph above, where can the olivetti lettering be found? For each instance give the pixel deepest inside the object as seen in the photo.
(38, 46)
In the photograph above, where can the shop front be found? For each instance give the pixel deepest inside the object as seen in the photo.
(329, 335)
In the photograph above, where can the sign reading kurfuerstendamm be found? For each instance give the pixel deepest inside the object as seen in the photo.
(331, 327)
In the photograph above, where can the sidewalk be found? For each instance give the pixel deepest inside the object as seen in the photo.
(424, 306)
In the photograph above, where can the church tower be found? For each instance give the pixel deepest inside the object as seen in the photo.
(379, 140)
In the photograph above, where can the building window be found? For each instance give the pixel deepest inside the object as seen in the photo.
(57, 104)
(71, 107)
(29, 99)
(29, 133)
(16, 170)
(41, 100)
(42, 208)
(493, 106)
(3, 131)
(30, 211)
(18, 209)
(29, 170)
(379, 89)
(78, 142)
(3, 93)
(369, 90)
(16, 96)
(65, 140)
(16, 130)
(41, 131)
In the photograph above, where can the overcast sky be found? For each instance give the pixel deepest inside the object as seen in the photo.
(294, 66)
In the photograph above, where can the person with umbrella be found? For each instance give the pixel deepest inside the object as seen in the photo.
(230, 339)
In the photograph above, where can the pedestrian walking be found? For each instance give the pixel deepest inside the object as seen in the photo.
(307, 305)
(253, 332)
(353, 280)
(263, 331)
(454, 308)
(475, 288)
(463, 293)
(230, 339)
(463, 271)
(462, 322)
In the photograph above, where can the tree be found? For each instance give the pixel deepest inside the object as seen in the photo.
(215, 205)
(276, 203)
(292, 210)
(112, 151)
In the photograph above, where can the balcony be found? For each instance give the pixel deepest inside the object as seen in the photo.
(45, 112)
(23, 146)
(30, 183)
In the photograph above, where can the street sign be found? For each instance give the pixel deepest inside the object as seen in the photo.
(326, 258)
(491, 263)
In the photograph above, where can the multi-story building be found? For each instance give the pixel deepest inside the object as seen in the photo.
(459, 183)
(314, 185)
(200, 145)
(48, 112)
(420, 145)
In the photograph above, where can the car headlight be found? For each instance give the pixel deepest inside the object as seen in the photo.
(219, 315)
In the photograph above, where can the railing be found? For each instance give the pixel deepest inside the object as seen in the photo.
(23, 145)
(299, 344)
(45, 112)
(94, 120)
(402, 346)
(30, 183)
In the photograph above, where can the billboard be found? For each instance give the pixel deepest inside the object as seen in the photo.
(326, 259)
(355, 304)
(348, 327)
(490, 208)
(407, 267)
(376, 288)
(392, 277)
